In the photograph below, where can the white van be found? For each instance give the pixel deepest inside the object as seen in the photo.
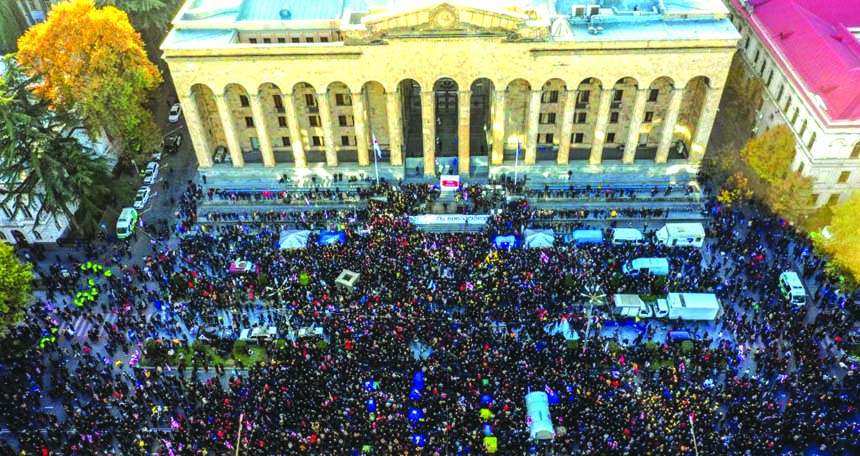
(792, 288)
(656, 266)
(627, 236)
(682, 235)
(126, 223)
(661, 309)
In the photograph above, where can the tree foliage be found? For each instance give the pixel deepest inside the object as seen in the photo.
(735, 190)
(769, 157)
(102, 76)
(145, 15)
(15, 280)
(12, 25)
(45, 169)
(843, 244)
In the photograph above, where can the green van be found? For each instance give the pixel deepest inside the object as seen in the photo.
(126, 223)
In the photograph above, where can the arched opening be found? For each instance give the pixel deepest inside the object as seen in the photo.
(376, 115)
(239, 104)
(307, 107)
(516, 122)
(411, 116)
(20, 239)
(446, 93)
(339, 99)
(692, 104)
(620, 113)
(207, 109)
(584, 115)
(272, 100)
(480, 126)
(552, 99)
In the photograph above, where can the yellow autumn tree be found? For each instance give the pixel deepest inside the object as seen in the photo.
(91, 63)
(782, 189)
(843, 239)
(735, 190)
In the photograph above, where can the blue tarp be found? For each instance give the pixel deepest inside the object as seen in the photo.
(331, 237)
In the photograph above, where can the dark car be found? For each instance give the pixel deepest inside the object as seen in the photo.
(171, 144)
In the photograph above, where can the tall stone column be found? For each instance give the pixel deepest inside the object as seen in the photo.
(395, 126)
(464, 100)
(497, 157)
(669, 125)
(299, 157)
(705, 124)
(428, 129)
(230, 131)
(598, 138)
(533, 121)
(262, 126)
(635, 123)
(328, 131)
(361, 139)
(197, 131)
(566, 127)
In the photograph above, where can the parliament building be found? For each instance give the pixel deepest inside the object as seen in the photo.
(301, 88)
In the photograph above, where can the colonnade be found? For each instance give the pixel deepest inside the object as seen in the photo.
(499, 116)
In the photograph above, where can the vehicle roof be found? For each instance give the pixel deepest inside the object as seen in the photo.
(127, 213)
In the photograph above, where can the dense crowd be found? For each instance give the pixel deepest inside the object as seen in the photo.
(759, 381)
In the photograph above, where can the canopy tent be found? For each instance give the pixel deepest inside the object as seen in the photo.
(503, 242)
(293, 239)
(561, 327)
(538, 418)
(539, 239)
(332, 237)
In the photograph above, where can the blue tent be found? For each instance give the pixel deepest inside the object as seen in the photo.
(332, 237)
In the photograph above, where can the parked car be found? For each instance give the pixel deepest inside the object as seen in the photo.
(150, 176)
(142, 197)
(221, 155)
(175, 113)
(156, 157)
(171, 146)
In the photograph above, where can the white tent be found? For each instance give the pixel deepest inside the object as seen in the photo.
(538, 418)
(537, 239)
(293, 239)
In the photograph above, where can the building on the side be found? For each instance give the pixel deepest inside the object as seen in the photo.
(618, 89)
(20, 227)
(807, 54)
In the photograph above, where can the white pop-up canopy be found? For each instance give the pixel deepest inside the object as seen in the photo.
(293, 239)
(538, 239)
(538, 418)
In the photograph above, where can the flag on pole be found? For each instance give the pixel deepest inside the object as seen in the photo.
(376, 147)
(518, 149)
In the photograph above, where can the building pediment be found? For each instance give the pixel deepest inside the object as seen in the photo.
(444, 18)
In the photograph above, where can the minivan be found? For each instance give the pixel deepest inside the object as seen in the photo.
(656, 266)
(792, 288)
(126, 222)
(627, 236)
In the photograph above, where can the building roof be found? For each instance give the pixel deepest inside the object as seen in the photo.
(812, 39)
(211, 23)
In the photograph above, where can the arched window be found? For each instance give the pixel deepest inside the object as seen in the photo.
(856, 152)
(37, 235)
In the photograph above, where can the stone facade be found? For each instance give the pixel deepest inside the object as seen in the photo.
(828, 149)
(445, 82)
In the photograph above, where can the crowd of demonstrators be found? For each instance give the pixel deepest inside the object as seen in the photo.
(761, 381)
